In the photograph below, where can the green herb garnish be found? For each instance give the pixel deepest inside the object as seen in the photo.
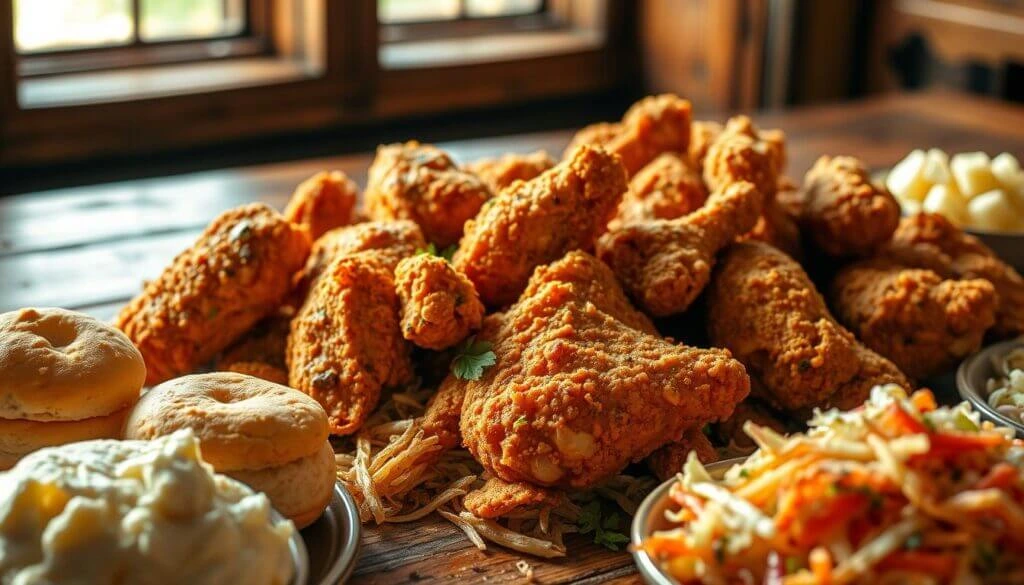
(605, 526)
(472, 359)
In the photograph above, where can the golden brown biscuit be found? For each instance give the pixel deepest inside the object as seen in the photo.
(242, 422)
(57, 365)
(21, 437)
(299, 490)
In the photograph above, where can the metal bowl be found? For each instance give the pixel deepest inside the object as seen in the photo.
(973, 375)
(650, 517)
(333, 541)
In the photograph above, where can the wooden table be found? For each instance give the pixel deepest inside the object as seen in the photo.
(90, 248)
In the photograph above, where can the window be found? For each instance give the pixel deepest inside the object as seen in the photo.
(62, 36)
(398, 11)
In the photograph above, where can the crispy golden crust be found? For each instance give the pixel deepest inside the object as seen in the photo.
(440, 307)
(668, 461)
(778, 225)
(764, 308)
(323, 202)
(702, 134)
(914, 317)
(742, 153)
(844, 214)
(537, 222)
(931, 241)
(345, 342)
(651, 126)
(667, 188)
(577, 394)
(393, 240)
(238, 271)
(501, 172)
(497, 498)
(665, 264)
(262, 370)
(421, 183)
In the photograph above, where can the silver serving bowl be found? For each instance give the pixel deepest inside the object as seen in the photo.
(973, 375)
(333, 541)
(650, 518)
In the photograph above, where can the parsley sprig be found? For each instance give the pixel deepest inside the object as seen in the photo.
(431, 249)
(472, 358)
(604, 525)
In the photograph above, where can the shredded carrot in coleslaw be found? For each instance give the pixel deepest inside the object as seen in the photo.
(899, 490)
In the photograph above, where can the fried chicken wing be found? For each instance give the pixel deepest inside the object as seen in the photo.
(844, 213)
(393, 240)
(497, 498)
(238, 271)
(440, 307)
(667, 188)
(668, 461)
(422, 183)
(764, 308)
(345, 343)
(665, 264)
(538, 221)
(323, 202)
(651, 126)
(576, 394)
(778, 228)
(501, 172)
(930, 241)
(914, 317)
(702, 134)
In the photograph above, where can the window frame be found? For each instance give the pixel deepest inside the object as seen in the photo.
(339, 82)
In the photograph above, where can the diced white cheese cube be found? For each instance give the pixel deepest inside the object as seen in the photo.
(972, 173)
(993, 211)
(905, 180)
(943, 200)
(936, 167)
(1007, 171)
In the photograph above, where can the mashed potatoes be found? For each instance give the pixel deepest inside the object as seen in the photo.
(134, 512)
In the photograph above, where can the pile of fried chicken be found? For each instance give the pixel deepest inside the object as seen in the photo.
(568, 269)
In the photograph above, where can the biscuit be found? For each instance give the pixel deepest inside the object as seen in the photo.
(21, 437)
(57, 365)
(299, 490)
(243, 423)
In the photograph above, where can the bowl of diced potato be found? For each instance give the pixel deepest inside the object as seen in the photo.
(983, 195)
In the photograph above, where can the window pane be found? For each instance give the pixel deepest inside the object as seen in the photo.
(42, 25)
(389, 11)
(187, 19)
(481, 8)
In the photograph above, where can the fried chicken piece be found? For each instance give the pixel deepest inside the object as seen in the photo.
(538, 221)
(237, 272)
(764, 308)
(844, 213)
(497, 498)
(651, 126)
(323, 202)
(394, 240)
(576, 394)
(665, 189)
(440, 307)
(501, 172)
(261, 351)
(742, 153)
(665, 264)
(667, 461)
(422, 183)
(702, 134)
(930, 241)
(345, 343)
(914, 317)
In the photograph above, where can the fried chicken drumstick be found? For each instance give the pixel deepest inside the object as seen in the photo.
(764, 308)
(665, 264)
(238, 271)
(577, 393)
(667, 188)
(440, 307)
(323, 202)
(538, 221)
(923, 323)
